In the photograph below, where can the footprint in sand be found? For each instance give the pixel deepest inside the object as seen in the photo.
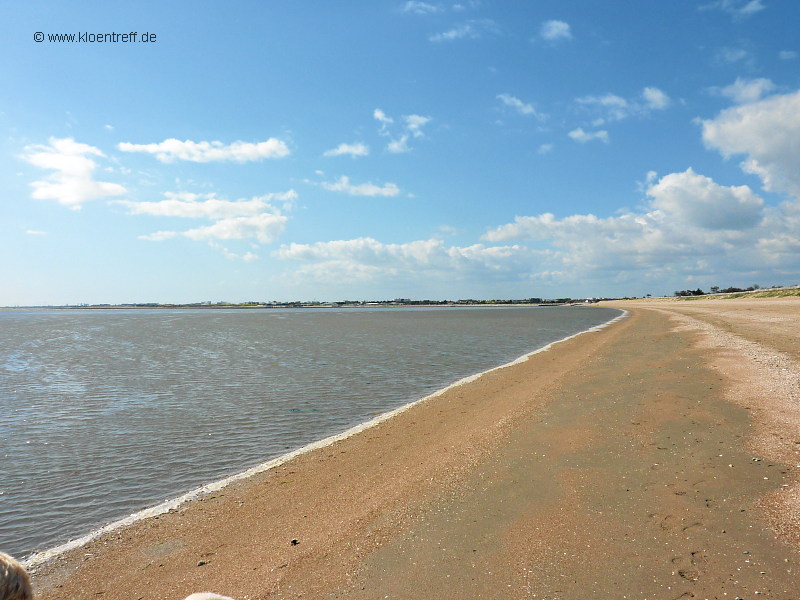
(688, 574)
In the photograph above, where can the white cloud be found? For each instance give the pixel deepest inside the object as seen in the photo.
(611, 107)
(206, 206)
(729, 55)
(379, 115)
(202, 152)
(363, 189)
(523, 108)
(264, 227)
(751, 7)
(767, 133)
(353, 150)
(472, 29)
(655, 98)
(35, 232)
(256, 219)
(464, 30)
(399, 145)
(743, 91)
(159, 236)
(545, 149)
(787, 54)
(414, 124)
(400, 135)
(579, 135)
(420, 8)
(698, 201)
(690, 227)
(448, 230)
(737, 8)
(71, 182)
(683, 201)
(608, 101)
(366, 259)
(553, 31)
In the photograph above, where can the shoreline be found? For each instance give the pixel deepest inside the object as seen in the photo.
(630, 462)
(39, 559)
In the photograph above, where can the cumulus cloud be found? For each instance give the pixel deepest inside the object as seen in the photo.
(523, 108)
(380, 116)
(554, 30)
(400, 135)
(258, 219)
(787, 54)
(353, 150)
(655, 99)
(171, 149)
(767, 133)
(264, 227)
(545, 149)
(611, 107)
(420, 8)
(743, 91)
(414, 124)
(614, 107)
(399, 145)
(206, 206)
(362, 189)
(367, 258)
(472, 29)
(738, 9)
(690, 226)
(579, 135)
(71, 182)
(698, 201)
(729, 56)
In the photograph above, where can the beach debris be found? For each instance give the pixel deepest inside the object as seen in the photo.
(294, 542)
(200, 563)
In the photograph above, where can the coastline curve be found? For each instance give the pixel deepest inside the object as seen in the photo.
(40, 558)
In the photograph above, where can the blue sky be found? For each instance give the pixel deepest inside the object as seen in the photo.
(378, 149)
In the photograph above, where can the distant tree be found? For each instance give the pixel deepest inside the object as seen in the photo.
(697, 292)
(714, 289)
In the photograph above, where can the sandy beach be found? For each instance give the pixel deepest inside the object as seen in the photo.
(657, 458)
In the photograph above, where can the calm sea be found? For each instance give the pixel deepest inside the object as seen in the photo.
(103, 413)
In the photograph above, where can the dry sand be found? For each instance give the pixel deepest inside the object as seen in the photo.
(657, 458)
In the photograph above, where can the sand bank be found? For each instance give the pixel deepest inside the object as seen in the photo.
(614, 465)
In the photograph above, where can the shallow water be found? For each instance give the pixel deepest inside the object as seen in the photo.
(105, 412)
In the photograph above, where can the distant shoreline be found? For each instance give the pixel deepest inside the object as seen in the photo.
(294, 305)
(773, 292)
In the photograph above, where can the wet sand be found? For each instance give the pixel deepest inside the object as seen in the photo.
(657, 458)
